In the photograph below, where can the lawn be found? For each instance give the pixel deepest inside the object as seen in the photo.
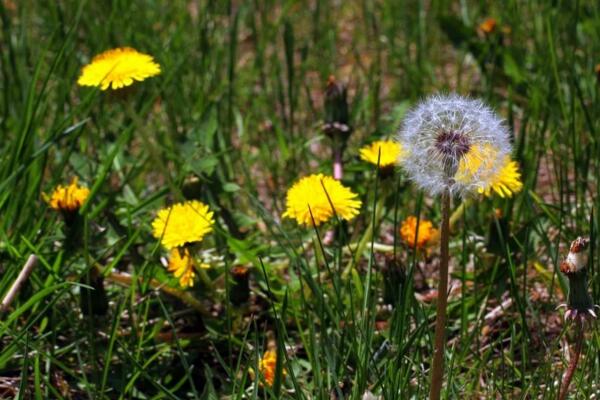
(218, 227)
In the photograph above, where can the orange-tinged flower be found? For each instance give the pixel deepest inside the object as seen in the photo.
(488, 25)
(324, 197)
(118, 68)
(68, 198)
(267, 366)
(181, 264)
(408, 232)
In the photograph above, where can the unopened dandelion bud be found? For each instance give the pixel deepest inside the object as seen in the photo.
(337, 117)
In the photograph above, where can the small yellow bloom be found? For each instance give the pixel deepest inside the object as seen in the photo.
(267, 366)
(69, 198)
(320, 195)
(390, 153)
(118, 68)
(182, 223)
(181, 264)
(505, 180)
(408, 232)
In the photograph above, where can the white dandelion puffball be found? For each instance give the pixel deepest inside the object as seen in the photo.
(453, 143)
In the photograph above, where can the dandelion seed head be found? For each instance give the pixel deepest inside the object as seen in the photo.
(443, 131)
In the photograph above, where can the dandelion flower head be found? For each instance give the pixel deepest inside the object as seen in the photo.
(118, 68)
(182, 224)
(504, 182)
(181, 265)
(488, 25)
(414, 239)
(268, 365)
(324, 197)
(68, 198)
(440, 132)
(390, 153)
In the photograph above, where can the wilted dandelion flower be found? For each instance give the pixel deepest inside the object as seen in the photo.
(444, 131)
(182, 223)
(118, 68)
(323, 196)
(68, 198)
(414, 239)
(181, 264)
(390, 153)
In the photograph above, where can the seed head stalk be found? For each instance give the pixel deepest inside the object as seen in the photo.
(564, 387)
(437, 367)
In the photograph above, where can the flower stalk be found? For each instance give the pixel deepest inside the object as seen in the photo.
(337, 123)
(437, 368)
(580, 306)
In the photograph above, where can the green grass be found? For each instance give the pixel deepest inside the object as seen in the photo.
(233, 120)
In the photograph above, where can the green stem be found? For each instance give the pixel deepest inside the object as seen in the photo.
(366, 238)
(437, 366)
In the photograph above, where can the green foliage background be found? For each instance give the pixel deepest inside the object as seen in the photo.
(234, 119)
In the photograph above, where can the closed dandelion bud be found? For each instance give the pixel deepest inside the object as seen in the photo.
(579, 301)
(337, 117)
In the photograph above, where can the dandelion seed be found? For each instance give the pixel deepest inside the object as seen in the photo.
(324, 197)
(68, 199)
(408, 232)
(444, 131)
(182, 224)
(118, 68)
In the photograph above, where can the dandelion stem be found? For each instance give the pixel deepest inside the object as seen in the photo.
(338, 166)
(564, 390)
(437, 366)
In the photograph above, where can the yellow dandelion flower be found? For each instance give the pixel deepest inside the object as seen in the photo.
(267, 366)
(68, 198)
(408, 231)
(321, 195)
(390, 153)
(118, 68)
(182, 223)
(504, 181)
(181, 264)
